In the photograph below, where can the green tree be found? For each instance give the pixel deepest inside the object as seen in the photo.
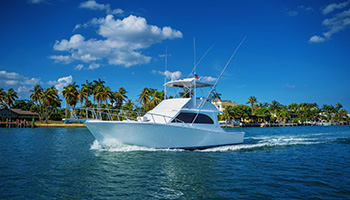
(98, 91)
(23, 104)
(263, 114)
(156, 98)
(107, 94)
(120, 97)
(283, 114)
(252, 100)
(216, 95)
(36, 95)
(145, 96)
(2, 96)
(10, 97)
(241, 112)
(50, 102)
(70, 94)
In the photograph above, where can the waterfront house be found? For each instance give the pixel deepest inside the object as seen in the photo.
(222, 104)
(14, 112)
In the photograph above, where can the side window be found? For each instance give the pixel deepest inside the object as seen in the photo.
(188, 118)
(204, 119)
(184, 117)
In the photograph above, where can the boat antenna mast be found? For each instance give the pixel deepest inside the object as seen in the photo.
(165, 69)
(217, 80)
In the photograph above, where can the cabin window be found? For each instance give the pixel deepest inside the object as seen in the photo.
(188, 118)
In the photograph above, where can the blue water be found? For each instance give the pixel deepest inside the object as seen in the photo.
(273, 163)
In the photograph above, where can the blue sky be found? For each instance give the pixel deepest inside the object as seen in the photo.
(295, 51)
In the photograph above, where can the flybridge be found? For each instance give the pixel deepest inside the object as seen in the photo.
(187, 83)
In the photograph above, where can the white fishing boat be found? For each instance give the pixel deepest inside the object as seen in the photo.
(185, 122)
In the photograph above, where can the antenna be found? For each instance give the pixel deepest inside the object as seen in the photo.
(194, 52)
(217, 80)
(165, 69)
(195, 67)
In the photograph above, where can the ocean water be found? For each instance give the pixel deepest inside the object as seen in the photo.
(273, 163)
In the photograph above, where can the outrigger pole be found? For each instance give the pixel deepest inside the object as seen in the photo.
(217, 80)
(166, 63)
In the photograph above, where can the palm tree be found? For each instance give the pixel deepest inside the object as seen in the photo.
(36, 94)
(145, 96)
(106, 94)
(70, 93)
(2, 96)
(97, 91)
(50, 101)
(274, 106)
(120, 96)
(129, 105)
(216, 95)
(10, 97)
(98, 82)
(49, 96)
(88, 86)
(264, 105)
(98, 94)
(252, 100)
(83, 94)
(156, 99)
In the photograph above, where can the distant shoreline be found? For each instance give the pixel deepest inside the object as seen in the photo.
(222, 126)
(59, 126)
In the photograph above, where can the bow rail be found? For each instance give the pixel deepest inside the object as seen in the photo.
(104, 114)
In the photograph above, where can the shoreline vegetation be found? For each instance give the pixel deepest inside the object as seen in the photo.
(46, 102)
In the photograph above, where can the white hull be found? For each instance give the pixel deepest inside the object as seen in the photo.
(156, 135)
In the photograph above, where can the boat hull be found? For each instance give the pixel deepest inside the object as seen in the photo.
(161, 136)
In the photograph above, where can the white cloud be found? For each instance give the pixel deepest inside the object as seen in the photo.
(290, 86)
(11, 79)
(122, 42)
(338, 22)
(15, 80)
(170, 75)
(334, 6)
(317, 39)
(36, 1)
(61, 83)
(94, 66)
(93, 5)
(292, 13)
(79, 67)
(23, 92)
(208, 79)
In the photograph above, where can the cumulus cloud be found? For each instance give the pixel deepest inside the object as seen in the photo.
(93, 5)
(13, 79)
(79, 67)
(300, 9)
(317, 39)
(94, 66)
(168, 74)
(36, 1)
(122, 42)
(338, 22)
(61, 83)
(208, 79)
(292, 13)
(334, 6)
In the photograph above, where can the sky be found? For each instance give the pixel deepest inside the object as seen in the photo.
(295, 51)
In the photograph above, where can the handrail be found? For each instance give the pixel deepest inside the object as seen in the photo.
(108, 114)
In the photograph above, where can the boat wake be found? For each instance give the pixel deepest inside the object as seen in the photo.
(254, 143)
(120, 147)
